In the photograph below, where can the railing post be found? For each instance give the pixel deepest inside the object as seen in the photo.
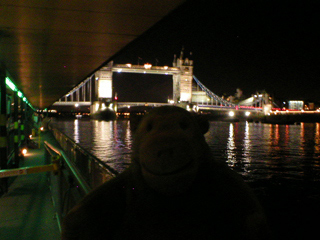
(23, 122)
(16, 130)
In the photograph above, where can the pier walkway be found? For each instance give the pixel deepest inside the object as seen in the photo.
(26, 210)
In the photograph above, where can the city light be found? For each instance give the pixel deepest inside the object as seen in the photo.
(231, 113)
(147, 66)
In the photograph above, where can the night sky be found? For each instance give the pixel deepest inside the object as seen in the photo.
(252, 45)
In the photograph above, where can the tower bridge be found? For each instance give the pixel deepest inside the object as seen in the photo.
(97, 90)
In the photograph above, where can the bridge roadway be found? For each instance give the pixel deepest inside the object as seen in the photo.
(242, 112)
(154, 104)
(128, 68)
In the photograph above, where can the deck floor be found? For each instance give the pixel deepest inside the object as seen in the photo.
(26, 210)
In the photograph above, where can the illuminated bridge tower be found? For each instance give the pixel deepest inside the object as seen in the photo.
(182, 81)
(102, 98)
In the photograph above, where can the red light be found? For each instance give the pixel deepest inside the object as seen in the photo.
(115, 98)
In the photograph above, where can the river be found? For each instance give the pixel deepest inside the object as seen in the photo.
(280, 162)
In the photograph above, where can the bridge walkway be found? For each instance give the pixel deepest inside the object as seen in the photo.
(26, 210)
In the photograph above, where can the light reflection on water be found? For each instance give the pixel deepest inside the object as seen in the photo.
(109, 141)
(255, 150)
(112, 143)
(264, 151)
(280, 162)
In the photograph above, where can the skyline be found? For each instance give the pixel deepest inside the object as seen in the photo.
(252, 45)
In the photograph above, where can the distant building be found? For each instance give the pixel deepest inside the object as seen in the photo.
(295, 104)
(311, 106)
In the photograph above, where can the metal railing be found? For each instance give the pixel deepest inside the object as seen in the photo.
(79, 173)
(93, 170)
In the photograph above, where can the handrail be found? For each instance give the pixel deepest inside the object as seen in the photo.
(52, 148)
(106, 166)
(83, 184)
(13, 172)
(76, 174)
(79, 173)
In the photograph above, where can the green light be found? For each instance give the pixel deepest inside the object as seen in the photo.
(10, 84)
(13, 87)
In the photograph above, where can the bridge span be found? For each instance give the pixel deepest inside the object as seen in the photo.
(97, 92)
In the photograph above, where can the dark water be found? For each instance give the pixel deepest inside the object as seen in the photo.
(280, 162)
